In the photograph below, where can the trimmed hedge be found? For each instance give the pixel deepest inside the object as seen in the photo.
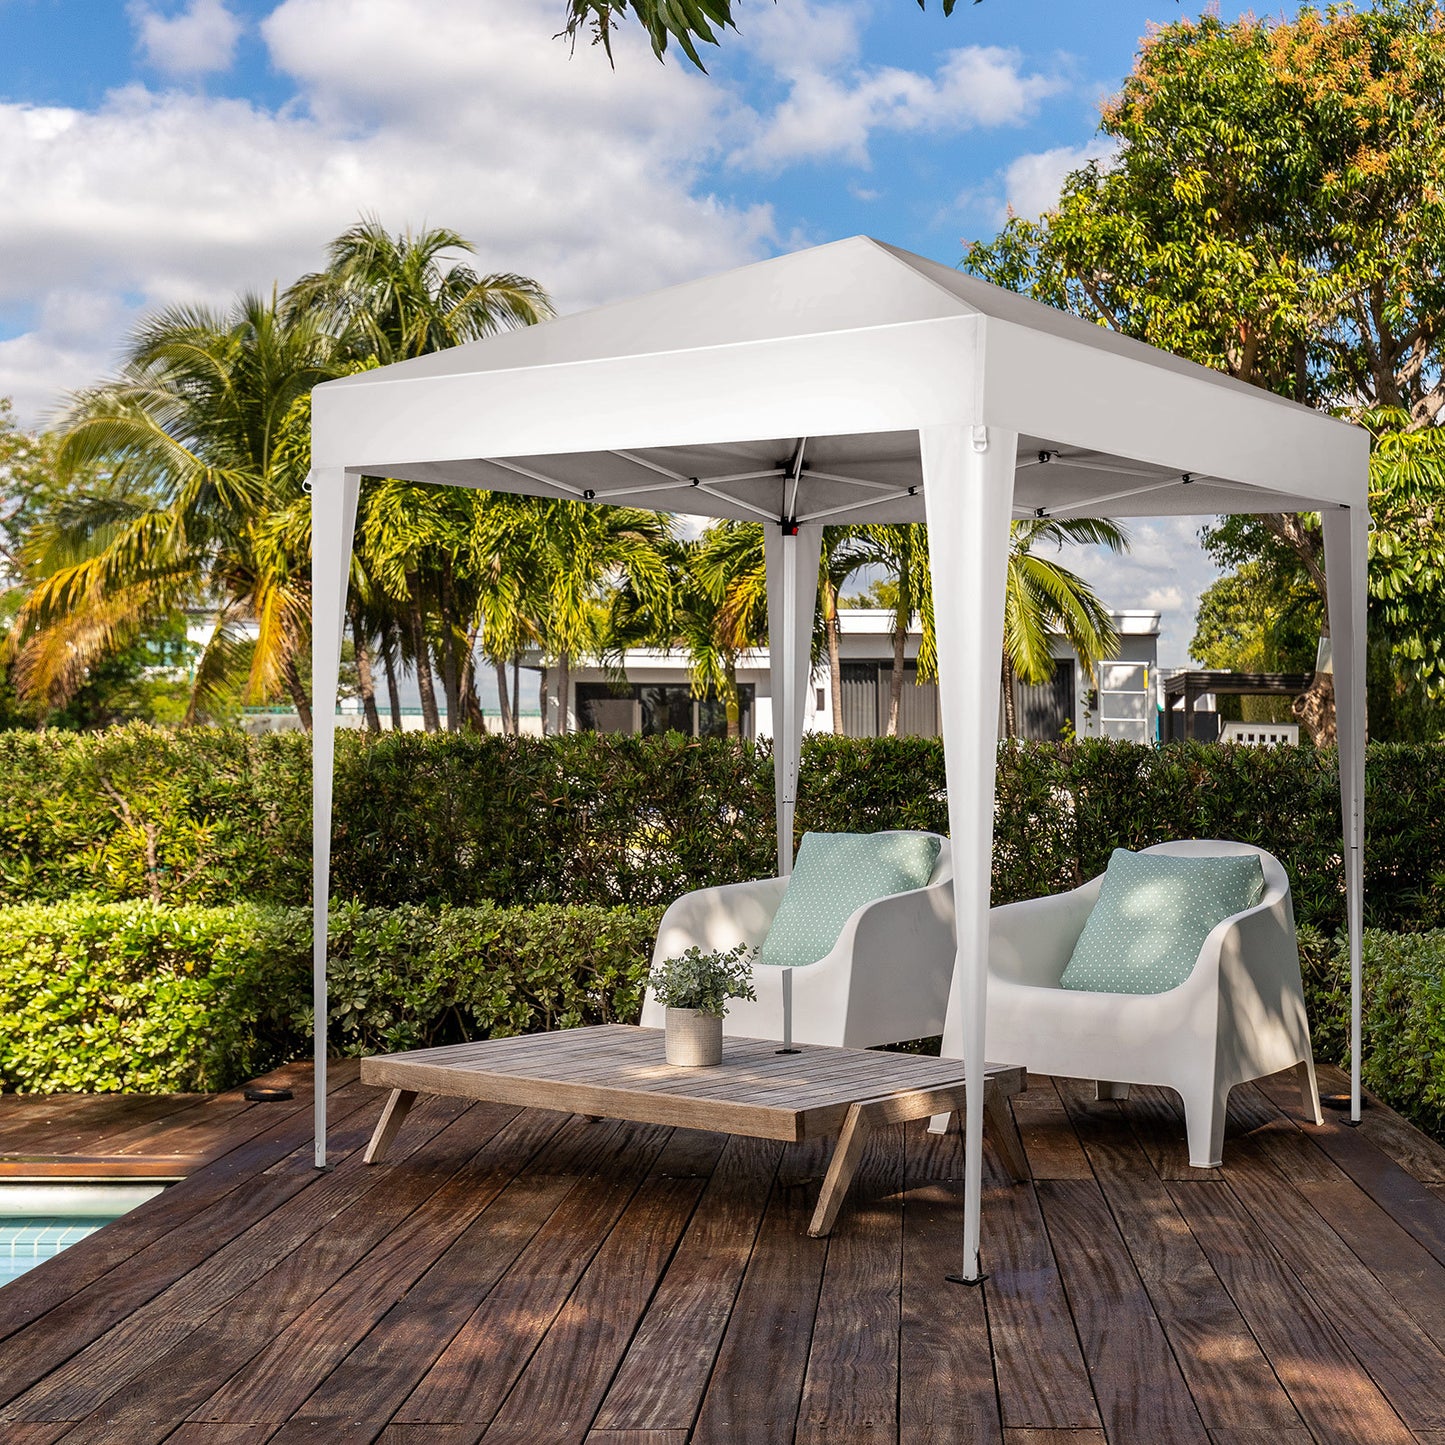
(129, 996)
(209, 816)
(147, 999)
(1402, 1016)
(133, 997)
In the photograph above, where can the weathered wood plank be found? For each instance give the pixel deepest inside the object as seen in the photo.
(328, 1432)
(556, 1398)
(93, 1168)
(1140, 1391)
(1332, 1391)
(173, 1383)
(946, 1391)
(257, 1140)
(473, 1374)
(1413, 1151)
(395, 1434)
(1411, 1204)
(194, 1432)
(1049, 1140)
(1263, 1268)
(1228, 1376)
(34, 1432)
(1243, 1435)
(660, 1383)
(1402, 1360)
(1157, 1118)
(1281, 1136)
(637, 1437)
(383, 1367)
(178, 1232)
(1043, 1382)
(276, 1383)
(1413, 1276)
(850, 1386)
(1054, 1437)
(771, 1321)
(85, 1120)
(175, 1290)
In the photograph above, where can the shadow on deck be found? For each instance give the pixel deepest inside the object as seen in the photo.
(523, 1276)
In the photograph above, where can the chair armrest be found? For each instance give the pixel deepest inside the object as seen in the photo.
(1031, 942)
(714, 919)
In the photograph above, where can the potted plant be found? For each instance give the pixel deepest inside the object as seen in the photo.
(694, 989)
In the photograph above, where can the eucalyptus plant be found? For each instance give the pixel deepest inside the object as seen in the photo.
(705, 981)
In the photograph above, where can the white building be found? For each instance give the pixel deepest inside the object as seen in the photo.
(657, 697)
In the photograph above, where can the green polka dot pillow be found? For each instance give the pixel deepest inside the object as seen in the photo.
(1154, 912)
(834, 875)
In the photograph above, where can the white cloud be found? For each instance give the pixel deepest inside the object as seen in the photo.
(1032, 183)
(419, 110)
(834, 104)
(201, 39)
(1165, 569)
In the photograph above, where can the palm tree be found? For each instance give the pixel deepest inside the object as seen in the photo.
(389, 298)
(586, 553)
(393, 297)
(901, 548)
(200, 445)
(842, 555)
(1041, 596)
(723, 610)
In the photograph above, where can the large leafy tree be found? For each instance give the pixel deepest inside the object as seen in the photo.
(1275, 208)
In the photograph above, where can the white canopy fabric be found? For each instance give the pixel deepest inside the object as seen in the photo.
(852, 382)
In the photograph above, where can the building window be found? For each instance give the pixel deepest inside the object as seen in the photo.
(865, 696)
(654, 708)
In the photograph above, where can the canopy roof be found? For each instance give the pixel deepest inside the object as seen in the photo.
(694, 399)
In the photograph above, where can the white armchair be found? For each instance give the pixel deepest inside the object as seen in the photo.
(885, 980)
(1238, 1016)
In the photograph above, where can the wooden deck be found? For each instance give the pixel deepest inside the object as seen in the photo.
(522, 1276)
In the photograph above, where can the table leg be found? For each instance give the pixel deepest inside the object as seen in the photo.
(393, 1113)
(862, 1118)
(841, 1168)
(998, 1123)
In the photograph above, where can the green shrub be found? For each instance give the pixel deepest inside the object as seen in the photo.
(1402, 1016)
(135, 997)
(209, 816)
(408, 978)
(203, 815)
(147, 999)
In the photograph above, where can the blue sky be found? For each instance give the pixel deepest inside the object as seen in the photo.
(168, 151)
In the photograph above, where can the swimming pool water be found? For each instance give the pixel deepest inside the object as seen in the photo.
(24, 1243)
(37, 1221)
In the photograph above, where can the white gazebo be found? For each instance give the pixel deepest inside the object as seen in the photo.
(852, 382)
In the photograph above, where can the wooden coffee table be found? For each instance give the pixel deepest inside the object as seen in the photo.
(617, 1071)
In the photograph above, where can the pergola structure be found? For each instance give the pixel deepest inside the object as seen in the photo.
(853, 382)
(1186, 688)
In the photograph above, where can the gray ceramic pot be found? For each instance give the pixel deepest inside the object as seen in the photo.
(694, 1038)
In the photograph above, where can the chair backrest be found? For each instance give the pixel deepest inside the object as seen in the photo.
(1276, 880)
